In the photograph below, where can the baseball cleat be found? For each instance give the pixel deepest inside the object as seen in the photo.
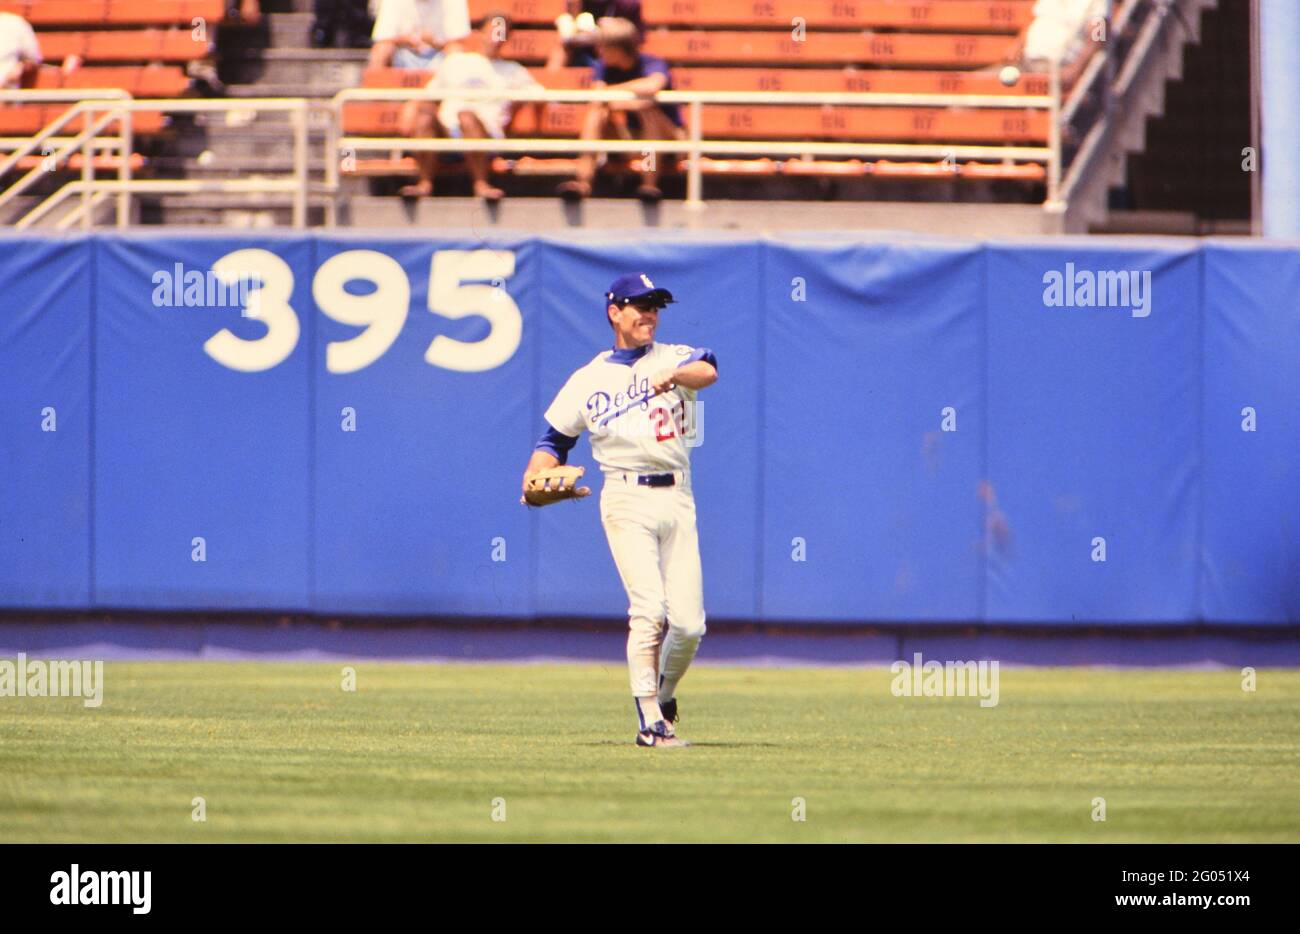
(660, 734)
(669, 710)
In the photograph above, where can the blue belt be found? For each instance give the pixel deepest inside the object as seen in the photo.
(656, 479)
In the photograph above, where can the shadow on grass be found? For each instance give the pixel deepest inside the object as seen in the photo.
(704, 744)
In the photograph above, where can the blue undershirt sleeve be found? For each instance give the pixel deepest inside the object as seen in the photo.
(556, 443)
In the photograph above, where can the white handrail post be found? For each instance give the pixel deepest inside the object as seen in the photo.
(1054, 136)
(87, 171)
(695, 177)
(332, 167)
(299, 117)
(126, 130)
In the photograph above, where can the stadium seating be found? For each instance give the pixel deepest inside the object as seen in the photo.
(140, 46)
(886, 46)
(908, 124)
(893, 46)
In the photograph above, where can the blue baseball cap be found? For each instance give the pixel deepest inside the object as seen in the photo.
(633, 286)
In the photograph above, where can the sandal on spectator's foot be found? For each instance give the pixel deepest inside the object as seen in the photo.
(490, 194)
(418, 190)
(573, 191)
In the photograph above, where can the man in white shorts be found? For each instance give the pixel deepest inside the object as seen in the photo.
(469, 69)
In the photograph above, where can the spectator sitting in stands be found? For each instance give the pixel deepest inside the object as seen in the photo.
(20, 54)
(415, 33)
(472, 119)
(342, 23)
(1064, 31)
(622, 66)
(576, 27)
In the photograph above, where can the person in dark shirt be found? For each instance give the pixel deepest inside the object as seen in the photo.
(576, 29)
(622, 65)
(342, 23)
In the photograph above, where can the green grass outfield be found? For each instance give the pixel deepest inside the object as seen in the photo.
(419, 752)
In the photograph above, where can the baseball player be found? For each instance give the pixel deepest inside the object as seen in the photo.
(638, 402)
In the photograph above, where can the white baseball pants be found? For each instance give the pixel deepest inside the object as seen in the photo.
(652, 536)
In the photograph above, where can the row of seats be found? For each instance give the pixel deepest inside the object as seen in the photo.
(700, 46)
(30, 119)
(75, 163)
(125, 45)
(997, 16)
(533, 46)
(137, 80)
(832, 80)
(722, 121)
(114, 12)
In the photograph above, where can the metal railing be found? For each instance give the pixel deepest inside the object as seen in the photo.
(107, 108)
(1125, 70)
(695, 146)
(104, 108)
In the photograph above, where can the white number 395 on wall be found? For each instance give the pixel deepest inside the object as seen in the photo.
(456, 290)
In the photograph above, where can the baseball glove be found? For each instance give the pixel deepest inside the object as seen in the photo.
(553, 485)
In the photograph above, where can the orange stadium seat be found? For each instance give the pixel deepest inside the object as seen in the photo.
(133, 45)
(29, 119)
(126, 12)
(532, 12)
(179, 45)
(57, 12)
(139, 81)
(394, 78)
(59, 45)
(165, 11)
(100, 163)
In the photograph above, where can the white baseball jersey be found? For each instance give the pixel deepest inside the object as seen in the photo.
(446, 19)
(609, 397)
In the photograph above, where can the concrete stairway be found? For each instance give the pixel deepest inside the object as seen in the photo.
(1103, 161)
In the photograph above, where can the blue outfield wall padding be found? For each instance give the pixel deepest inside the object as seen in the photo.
(908, 430)
(45, 423)
(871, 431)
(1250, 543)
(1093, 432)
(202, 429)
(421, 421)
